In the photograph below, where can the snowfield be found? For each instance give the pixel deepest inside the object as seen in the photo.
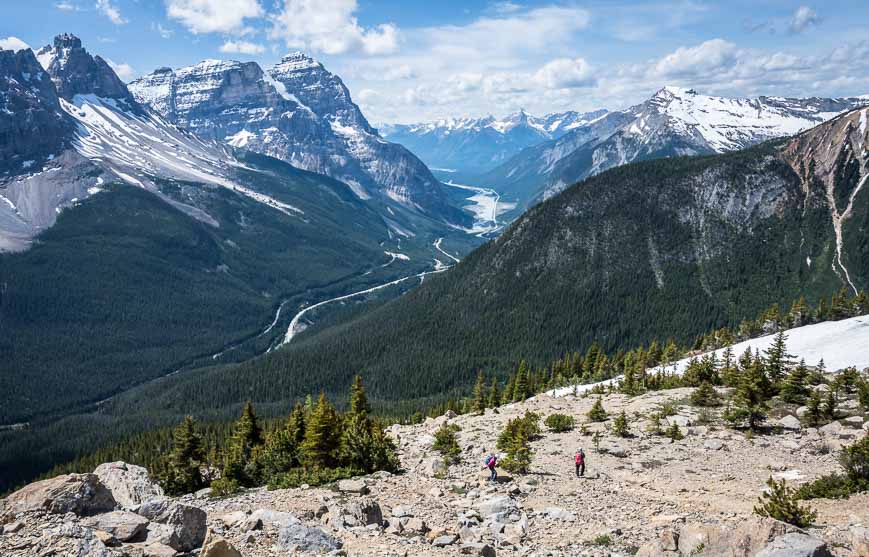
(840, 344)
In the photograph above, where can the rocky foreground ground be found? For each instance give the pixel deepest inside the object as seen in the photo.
(644, 495)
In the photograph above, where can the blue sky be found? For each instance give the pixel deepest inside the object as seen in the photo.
(412, 60)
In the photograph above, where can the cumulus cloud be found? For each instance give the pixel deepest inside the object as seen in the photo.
(111, 11)
(330, 26)
(705, 57)
(565, 73)
(124, 71)
(802, 19)
(242, 47)
(213, 16)
(13, 43)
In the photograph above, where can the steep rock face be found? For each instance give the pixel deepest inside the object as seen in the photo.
(674, 122)
(300, 113)
(75, 72)
(32, 125)
(476, 145)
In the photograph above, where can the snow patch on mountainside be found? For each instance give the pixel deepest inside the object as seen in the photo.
(840, 344)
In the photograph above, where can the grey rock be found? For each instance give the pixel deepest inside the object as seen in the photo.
(445, 540)
(181, 526)
(789, 422)
(795, 544)
(353, 486)
(480, 549)
(82, 494)
(130, 485)
(123, 525)
(298, 537)
(272, 518)
(498, 505)
(435, 467)
(713, 444)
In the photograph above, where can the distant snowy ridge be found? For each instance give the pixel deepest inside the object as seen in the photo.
(840, 344)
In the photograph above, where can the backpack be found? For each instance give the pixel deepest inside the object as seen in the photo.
(490, 460)
(580, 457)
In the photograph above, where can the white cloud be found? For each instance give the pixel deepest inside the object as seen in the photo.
(803, 18)
(106, 8)
(705, 57)
(242, 47)
(506, 7)
(13, 43)
(124, 71)
(213, 16)
(67, 6)
(565, 73)
(162, 31)
(329, 26)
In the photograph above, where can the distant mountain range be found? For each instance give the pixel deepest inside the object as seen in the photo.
(131, 246)
(298, 112)
(673, 122)
(475, 145)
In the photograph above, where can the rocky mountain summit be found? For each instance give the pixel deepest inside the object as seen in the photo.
(299, 112)
(673, 122)
(477, 145)
(643, 494)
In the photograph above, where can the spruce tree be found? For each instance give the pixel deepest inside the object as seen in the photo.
(358, 399)
(494, 394)
(778, 361)
(780, 503)
(861, 303)
(479, 405)
(728, 368)
(520, 388)
(322, 437)
(597, 412)
(447, 444)
(240, 465)
(620, 425)
(814, 410)
(509, 388)
(750, 397)
(795, 387)
(182, 465)
(829, 409)
(704, 395)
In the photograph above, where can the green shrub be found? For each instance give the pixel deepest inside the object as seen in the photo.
(855, 461)
(559, 423)
(447, 444)
(602, 541)
(831, 486)
(529, 424)
(224, 487)
(705, 395)
(781, 503)
(674, 433)
(620, 425)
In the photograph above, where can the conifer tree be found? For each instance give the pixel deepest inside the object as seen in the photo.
(814, 411)
(494, 394)
(674, 433)
(509, 388)
(182, 465)
(728, 368)
(799, 313)
(356, 436)
(597, 412)
(795, 387)
(778, 361)
(447, 444)
(240, 465)
(620, 425)
(780, 502)
(322, 435)
(861, 303)
(479, 405)
(358, 399)
(829, 409)
(704, 395)
(520, 388)
(629, 382)
(750, 397)
(516, 442)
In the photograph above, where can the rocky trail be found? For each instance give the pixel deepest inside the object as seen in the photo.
(643, 495)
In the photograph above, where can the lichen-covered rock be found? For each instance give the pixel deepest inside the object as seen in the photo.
(130, 485)
(82, 494)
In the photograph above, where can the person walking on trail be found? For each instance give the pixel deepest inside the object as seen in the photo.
(579, 459)
(491, 463)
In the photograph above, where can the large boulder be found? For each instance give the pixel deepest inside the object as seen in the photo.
(435, 467)
(499, 506)
(300, 538)
(795, 544)
(714, 540)
(177, 525)
(216, 546)
(360, 512)
(124, 526)
(353, 486)
(82, 494)
(130, 484)
(70, 539)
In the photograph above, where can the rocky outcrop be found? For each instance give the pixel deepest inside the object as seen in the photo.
(81, 494)
(298, 112)
(75, 72)
(32, 125)
(130, 485)
(124, 526)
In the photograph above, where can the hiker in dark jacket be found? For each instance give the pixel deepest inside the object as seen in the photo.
(579, 459)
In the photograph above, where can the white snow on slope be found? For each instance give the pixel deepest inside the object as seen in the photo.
(840, 344)
(131, 143)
